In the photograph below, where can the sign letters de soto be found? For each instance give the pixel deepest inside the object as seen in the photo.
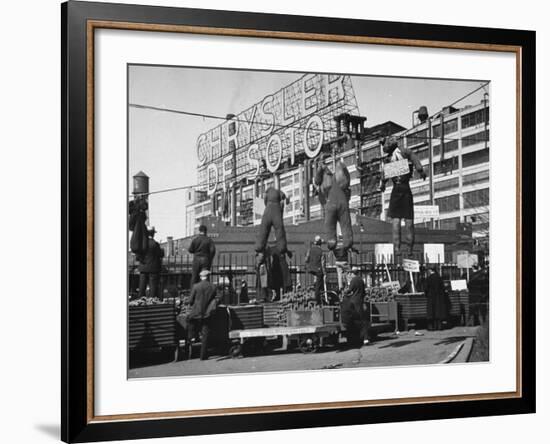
(298, 118)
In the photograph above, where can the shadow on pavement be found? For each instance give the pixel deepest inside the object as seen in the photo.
(452, 340)
(399, 344)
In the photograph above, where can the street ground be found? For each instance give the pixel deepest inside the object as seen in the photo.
(423, 348)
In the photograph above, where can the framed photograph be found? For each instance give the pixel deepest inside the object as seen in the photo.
(275, 221)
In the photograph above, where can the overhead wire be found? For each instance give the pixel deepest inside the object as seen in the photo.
(211, 116)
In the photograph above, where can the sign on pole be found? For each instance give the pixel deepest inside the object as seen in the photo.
(395, 286)
(411, 265)
(458, 285)
(396, 168)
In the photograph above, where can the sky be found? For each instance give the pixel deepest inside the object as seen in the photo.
(163, 145)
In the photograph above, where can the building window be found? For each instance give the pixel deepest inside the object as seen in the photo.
(475, 118)
(446, 165)
(449, 224)
(446, 184)
(449, 146)
(449, 127)
(417, 138)
(470, 179)
(475, 158)
(477, 198)
(472, 139)
(448, 204)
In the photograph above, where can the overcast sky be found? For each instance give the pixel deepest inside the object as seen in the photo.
(163, 144)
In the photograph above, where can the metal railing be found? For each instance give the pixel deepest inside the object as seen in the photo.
(229, 270)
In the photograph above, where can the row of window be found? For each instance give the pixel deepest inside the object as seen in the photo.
(450, 126)
(475, 118)
(476, 198)
(472, 139)
(470, 179)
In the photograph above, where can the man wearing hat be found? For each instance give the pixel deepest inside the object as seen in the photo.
(316, 262)
(203, 303)
(151, 264)
(203, 249)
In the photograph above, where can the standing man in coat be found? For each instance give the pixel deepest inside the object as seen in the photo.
(401, 199)
(203, 303)
(203, 249)
(352, 312)
(435, 294)
(151, 264)
(316, 263)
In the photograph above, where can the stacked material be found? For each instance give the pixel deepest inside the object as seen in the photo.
(244, 317)
(151, 325)
(299, 300)
(273, 312)
(379, 294)
(459, 303)
(412, 305)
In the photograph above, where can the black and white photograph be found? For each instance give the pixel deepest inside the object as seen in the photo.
(304, 221)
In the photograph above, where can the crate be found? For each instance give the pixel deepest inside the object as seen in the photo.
(152, 326)
(412, 305)
(331, 315)
(459, 304)
(383, 311)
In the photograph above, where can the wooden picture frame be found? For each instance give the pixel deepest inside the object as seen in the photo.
(79, 22)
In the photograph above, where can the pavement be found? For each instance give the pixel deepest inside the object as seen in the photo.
(420, 347)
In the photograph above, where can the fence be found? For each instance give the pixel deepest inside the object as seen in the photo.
(230, 269)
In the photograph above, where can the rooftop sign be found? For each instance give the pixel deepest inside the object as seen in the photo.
(297, 118)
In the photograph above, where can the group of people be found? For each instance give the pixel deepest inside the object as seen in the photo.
(333, 190)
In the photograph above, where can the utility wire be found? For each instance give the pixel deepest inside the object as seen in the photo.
(210, 116)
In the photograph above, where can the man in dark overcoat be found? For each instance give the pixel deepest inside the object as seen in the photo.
(352, 312)
(150, 266)
(203, 249)
(203, 303)
(435, 295)
(316, 265)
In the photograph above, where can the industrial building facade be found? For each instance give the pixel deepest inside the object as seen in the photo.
(233, 188)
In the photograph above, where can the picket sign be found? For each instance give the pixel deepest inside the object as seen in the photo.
(411, 265)
(396, 168)
(394, 285)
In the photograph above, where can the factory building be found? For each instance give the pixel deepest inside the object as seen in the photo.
(316, 119)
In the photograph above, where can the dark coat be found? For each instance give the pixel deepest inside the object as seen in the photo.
(151, 261)
(203, 246)
(435, 294)
(202, 300)
(352, 303)
(315, 260)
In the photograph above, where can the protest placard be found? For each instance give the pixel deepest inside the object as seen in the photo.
(396, 168)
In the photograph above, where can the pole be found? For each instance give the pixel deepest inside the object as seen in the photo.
(412, 282)
(431, 161)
